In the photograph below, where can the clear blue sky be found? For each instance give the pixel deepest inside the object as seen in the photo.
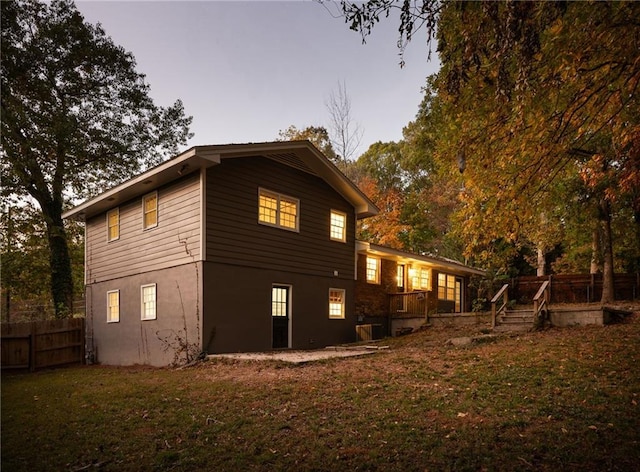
(246, 70)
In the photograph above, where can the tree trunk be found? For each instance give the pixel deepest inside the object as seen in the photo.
(608, 294)
(541, 263)
(7, 275)
(596, 250)
(636, 218)
(59, 261)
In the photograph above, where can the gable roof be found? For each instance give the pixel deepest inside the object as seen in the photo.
(302, 155)
(404, 256)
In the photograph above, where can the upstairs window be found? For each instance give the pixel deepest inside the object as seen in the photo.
(373, 270)
(150, 210)
(338, 230)
(113, 224)
(278, 210)
(148, 302)
(336, 303)
(113, 306)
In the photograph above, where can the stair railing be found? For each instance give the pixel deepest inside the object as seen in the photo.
(495, 310)
(541, 304)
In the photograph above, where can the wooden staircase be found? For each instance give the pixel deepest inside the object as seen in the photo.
(520, 319)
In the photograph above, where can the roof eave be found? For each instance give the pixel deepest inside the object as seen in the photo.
(199, 157)
(174, 168)
(382, 251)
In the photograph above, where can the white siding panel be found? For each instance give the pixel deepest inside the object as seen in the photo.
(175, 241)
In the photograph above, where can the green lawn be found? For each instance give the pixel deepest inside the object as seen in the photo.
(562, 399)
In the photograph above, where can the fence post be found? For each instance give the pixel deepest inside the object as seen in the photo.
(426, 307)
(32, 347)
(83, 340)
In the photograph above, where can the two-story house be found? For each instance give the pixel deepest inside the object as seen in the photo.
(224, 248)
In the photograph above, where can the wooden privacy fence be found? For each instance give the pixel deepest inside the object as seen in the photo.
(574, 288)
(41, 344)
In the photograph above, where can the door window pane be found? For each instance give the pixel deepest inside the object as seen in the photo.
(279, 298)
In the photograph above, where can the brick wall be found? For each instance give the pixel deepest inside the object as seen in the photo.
(372, 299)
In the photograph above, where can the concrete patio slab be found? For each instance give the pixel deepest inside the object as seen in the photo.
(301, 357)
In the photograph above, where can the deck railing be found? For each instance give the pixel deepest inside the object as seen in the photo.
(496, 310)
(540, 304)
(408, 304)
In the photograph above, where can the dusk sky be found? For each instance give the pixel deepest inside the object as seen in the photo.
(246, 70)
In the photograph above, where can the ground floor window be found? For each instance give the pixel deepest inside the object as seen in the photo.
(373, 270)
(421, 278)
(113, 306)
(446, 287)
(336, 303)
(450, 289)
(148, 302)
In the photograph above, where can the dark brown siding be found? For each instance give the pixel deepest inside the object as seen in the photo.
(237, 309)
(235, 237)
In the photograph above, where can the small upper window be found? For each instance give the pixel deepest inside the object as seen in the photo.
(148, 302)
(338, 226)
(336, 303)
(278, 210)
(113, 306)
(373, 270)
(113, 224)
(150, 210)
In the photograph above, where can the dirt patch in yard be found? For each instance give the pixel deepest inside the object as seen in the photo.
(302, 357)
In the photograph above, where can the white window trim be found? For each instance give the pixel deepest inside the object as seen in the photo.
(155, 225)
(155, 301)
(109, 307)
(278, 197)
(378, 269)
(341, 316)
(117, 211)
(343, 238)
